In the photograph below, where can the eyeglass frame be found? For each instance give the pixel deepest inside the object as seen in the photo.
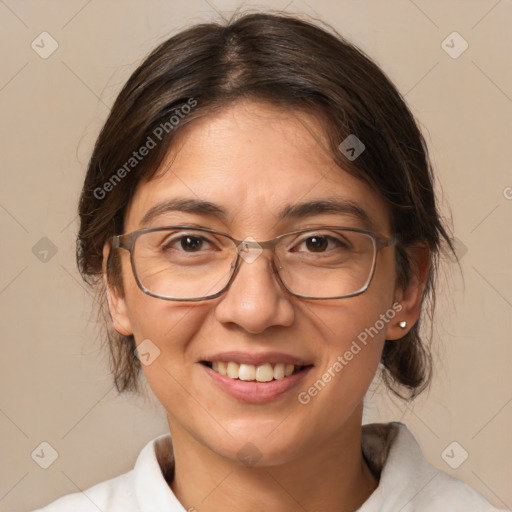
(127, 241)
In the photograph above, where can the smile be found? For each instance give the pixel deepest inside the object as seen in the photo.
(265, 372)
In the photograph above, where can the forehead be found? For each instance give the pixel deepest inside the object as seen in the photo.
(253, 160)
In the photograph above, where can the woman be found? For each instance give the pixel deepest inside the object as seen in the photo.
(259, 216)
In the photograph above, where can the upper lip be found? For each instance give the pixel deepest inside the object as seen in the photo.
(257, 359)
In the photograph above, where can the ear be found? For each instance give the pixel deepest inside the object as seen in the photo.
(411, 297)
(116, 302)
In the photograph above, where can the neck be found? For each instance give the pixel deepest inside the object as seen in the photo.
(331, 477)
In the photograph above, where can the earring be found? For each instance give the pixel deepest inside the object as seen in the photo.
(402, 324)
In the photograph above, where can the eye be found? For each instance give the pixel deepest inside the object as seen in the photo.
(186, 243)
(191, 243)
(319, 244)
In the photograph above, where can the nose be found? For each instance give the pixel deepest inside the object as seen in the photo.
(255, 300)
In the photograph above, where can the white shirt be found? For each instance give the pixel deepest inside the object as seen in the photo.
(408, 482)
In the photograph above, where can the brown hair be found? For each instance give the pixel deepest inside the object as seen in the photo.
(294, 64)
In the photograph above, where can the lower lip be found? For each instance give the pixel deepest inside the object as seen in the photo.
(254, 392)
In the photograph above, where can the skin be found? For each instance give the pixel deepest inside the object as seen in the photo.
(252, 159)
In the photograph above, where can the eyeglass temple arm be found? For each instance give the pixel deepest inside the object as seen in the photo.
(386, 242)
(123, 242)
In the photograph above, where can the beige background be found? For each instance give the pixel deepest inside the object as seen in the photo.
(54, 384)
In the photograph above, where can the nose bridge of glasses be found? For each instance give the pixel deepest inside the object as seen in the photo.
(248, 245)
(250, 249)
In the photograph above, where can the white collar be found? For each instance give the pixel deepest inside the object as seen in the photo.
(408, 482)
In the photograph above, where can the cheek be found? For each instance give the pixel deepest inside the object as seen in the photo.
(169, 325)
(352, 336)
(164, 330)
(360, 320)
(151, 318)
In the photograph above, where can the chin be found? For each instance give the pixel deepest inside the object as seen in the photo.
(260, 444)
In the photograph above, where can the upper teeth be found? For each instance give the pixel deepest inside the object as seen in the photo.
(262, 373)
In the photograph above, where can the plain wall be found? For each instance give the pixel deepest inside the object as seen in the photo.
(55, 383)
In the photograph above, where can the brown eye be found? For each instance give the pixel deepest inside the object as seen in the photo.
(320, 243)
(191, 243)
(186, 243)
(317, 243)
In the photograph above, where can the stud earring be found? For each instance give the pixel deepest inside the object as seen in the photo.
(402, 324)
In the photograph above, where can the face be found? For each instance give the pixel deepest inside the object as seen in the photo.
(252, 160)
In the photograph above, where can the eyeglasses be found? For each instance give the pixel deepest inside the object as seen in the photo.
(188, 263)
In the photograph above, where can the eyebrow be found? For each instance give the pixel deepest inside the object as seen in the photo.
(334, 205)
(184, 205)
(289, 212)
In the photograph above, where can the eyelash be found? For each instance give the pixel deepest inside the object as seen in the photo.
(172, 239)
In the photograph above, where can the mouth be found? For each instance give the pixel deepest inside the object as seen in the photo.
(255, 377)
(265, 372)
